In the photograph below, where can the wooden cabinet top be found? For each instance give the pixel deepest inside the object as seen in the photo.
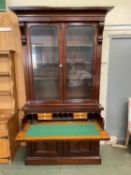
(81, 13)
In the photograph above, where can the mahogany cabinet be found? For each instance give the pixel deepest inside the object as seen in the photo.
(62, 60)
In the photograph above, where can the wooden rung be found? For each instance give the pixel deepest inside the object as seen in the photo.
(4, 74)
(5, 93)
(5, 161)
(5, 52)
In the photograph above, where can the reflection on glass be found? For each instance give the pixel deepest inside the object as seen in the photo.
(79, 41)
(44, 43)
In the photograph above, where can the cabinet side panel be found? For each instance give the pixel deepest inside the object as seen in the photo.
(13, 129)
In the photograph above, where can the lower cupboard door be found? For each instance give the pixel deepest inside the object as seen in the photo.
(44, 149)
(81, 148)
(4, 148)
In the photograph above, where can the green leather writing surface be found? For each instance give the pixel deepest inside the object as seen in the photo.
(39, 130)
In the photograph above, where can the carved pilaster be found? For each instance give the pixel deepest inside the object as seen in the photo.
(23, 33)
(100, 32)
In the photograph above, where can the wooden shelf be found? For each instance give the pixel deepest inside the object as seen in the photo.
(6, 52)
(5, 93)
(68, 45)
(47, 64)
(79, 62)
(78, 79)
(4, 74)
(43, 45)
(42, 78)
(78, 45)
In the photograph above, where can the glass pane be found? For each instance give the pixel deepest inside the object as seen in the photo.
(44, 43)
(79, 62)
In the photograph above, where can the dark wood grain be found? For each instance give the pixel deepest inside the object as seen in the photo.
(49, 153)
(81, 151)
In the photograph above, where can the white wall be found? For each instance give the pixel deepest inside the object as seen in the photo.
(121, 14)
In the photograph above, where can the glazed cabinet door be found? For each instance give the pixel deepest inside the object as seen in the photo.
(62, 61)
(44, 62)
(79, 44)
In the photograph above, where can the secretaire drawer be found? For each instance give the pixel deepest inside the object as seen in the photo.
(3, 130)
